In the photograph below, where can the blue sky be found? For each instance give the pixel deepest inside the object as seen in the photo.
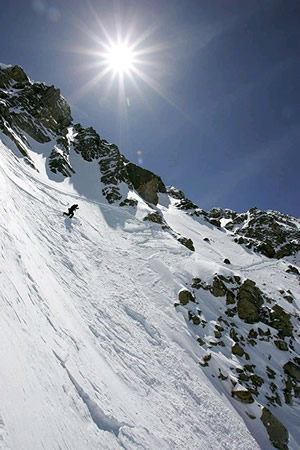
(217, 110)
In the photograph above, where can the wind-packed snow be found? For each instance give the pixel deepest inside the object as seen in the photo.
(93, 353)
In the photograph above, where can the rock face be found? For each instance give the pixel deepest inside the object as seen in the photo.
(13, 74)
(112, 165)
(44, 115)
(155, 217)
(243, 395)
(147, 184)
(188, 243)
(185, 297)
(293, 370)
(37, 110)
(271, 233)
(249, 302)
(175, 193)
(277, 432)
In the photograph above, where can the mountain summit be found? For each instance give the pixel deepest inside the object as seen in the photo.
(144, 322)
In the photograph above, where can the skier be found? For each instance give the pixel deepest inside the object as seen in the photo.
(71, 210)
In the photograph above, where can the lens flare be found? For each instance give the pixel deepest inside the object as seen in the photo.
(120, 58)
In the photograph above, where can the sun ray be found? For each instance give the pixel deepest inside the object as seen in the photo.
(129, 57)
(160, 91)
(89, 85)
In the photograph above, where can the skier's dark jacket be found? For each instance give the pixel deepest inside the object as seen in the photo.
(72, 208)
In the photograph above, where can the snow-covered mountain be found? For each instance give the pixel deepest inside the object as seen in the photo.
(144, 322)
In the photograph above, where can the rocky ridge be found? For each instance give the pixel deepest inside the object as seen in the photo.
(40, 112)
(271, 233)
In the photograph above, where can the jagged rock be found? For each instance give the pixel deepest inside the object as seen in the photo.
(201, 341)
(185, 297)
(267, 249)
(215, 222)
(206, 239)
(155, 217)
(243, 395)
(257, 380)
(282, 345)
(188, 243)
(271, 233)
(243, 377)
(277, 432)
(38, 110)
(218, 334)
(270, 373)
(231, 312)
(129, 202)
(233, 335)
(230, 299)
(193, 318)
(292, 369)
(292, 269)
(59, 162)
(237, 350)
(281, 320)
(112, 194)
(249, 301)
(88, 143)
(13, 73)
(226, 261)
(175, 193)
(145, 182)
(205, 359)
(218, 288)
(186, 204)
(112, 165)
(197, 284)
(220, 213)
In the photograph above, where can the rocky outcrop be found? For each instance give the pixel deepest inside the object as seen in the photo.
(146, 183)
(38, 111)
(292, 369)
(249, 301)
(185, 296)
(112, 165)
(43, 114)
(155, 217)
(243, 395)
(175, 193)
(277, 432)
(188, 243)
(271, 233)
(268, 384)
(13, 75)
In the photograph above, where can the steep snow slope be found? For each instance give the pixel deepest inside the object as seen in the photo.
(93, 353)
(212, 247)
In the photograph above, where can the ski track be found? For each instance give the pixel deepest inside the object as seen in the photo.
(96, 356)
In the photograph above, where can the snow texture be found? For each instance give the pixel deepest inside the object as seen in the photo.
(93, 353)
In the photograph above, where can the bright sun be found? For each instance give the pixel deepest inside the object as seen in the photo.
(124, 60)
(120, 58)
